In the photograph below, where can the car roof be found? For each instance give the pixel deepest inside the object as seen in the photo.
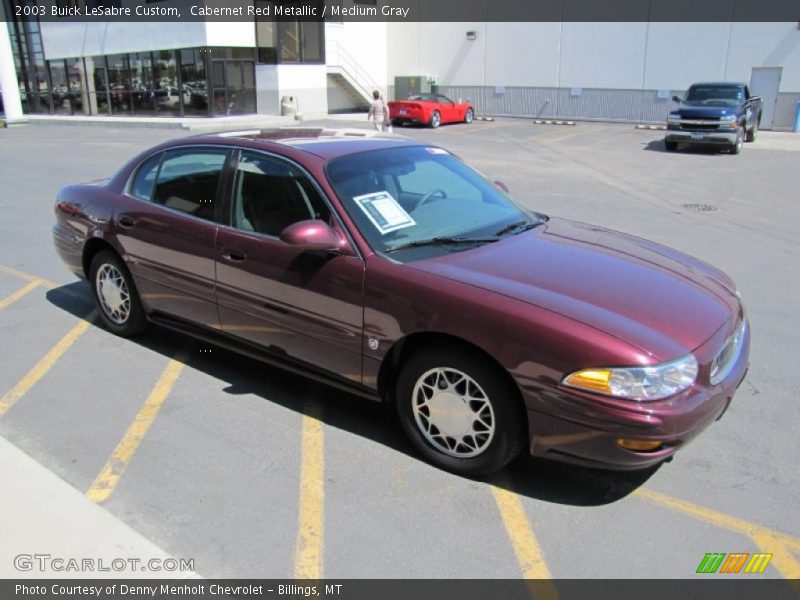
(326, 143)
(720, 83)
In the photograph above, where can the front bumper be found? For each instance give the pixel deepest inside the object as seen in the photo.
(722, 137)
(581, 428)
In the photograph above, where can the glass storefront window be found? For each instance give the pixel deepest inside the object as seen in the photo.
(169, 83)
(168, 97)
(194, 82)
(119, 83)
(142, 86)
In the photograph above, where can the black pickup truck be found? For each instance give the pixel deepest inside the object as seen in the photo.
(722, 114)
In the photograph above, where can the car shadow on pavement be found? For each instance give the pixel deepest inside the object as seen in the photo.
(658, 146)
(240, 375)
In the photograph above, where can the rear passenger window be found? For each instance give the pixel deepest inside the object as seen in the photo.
(142, 186)
(188, 181)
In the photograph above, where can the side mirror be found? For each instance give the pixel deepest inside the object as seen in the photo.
(676, 99)
(502, 186)
(755, 98)
(313, 234)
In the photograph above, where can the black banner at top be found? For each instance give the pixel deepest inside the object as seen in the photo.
(408, 11)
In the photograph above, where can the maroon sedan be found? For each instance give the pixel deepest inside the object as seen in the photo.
(393, 270)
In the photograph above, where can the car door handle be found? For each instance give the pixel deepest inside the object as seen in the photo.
(233, 255)
(126, 222)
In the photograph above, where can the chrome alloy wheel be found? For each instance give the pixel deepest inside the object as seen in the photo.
(112, 290)
(453, 412)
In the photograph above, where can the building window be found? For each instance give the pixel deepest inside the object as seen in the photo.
(289, 41)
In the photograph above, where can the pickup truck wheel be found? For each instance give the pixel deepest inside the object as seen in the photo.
(737, 146)
(753, 133)
(671, 146)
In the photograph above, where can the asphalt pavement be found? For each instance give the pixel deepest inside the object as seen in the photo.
(172, 448)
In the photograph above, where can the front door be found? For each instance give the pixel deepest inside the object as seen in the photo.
(166, 226)
(765, 82)
(303, 306)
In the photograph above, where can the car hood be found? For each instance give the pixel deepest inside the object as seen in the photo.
(663, 302)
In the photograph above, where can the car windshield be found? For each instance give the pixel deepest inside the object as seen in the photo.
(420, 201)
(715, 95)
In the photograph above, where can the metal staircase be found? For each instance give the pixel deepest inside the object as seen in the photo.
(350, 77)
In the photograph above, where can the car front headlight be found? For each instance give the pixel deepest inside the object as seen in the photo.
(637, 383)
(673, 117)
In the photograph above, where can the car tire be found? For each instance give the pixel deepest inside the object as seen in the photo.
(736, 148)
(469, 116)
(397, 122)
(115, 295)
(435, 120)
(480, 424)
(753, 133)
(671, 146)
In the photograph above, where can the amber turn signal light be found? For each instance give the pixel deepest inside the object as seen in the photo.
(639, 445)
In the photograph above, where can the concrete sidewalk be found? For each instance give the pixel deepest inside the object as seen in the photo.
(41, 514)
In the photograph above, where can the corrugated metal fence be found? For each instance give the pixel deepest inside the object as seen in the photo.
(641, 106)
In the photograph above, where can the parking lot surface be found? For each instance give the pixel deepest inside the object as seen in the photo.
(253, 472)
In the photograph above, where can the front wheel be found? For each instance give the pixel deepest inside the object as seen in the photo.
(435, 120)
(753, 133)
(469, 116)
(115, 295)
(737, 145)
(462, 413)
(671, 146)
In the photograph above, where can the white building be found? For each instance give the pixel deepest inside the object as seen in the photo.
(607, 71)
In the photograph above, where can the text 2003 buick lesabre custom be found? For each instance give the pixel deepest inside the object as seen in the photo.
(394, 270)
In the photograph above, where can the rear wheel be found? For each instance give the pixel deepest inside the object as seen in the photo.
(462, 414)
(671, 146)
(435, 120)
(115, 295)
(469, 116)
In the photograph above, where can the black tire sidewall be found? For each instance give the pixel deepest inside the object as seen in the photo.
(137, 319)
(510, 420)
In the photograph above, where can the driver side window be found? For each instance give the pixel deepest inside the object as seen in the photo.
(270, 195)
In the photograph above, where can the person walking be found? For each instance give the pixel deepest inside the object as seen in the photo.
(379, 113)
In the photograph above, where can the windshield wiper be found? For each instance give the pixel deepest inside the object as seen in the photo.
(443, 240)
(519, 225)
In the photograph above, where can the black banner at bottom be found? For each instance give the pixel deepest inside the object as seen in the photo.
(399, 589)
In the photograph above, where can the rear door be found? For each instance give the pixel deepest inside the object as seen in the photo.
(304, 306)
(166, 224)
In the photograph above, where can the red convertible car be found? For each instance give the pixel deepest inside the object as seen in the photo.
(395, 271)
(430, 109)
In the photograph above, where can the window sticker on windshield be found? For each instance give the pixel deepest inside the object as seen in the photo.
(437, 150)
(384, 212)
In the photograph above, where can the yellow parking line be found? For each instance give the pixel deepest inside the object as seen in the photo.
(21, 293)
(108, 478)
(27, 276)
(769, 540)
(308, 552)
(519, 529)
(44, 365)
